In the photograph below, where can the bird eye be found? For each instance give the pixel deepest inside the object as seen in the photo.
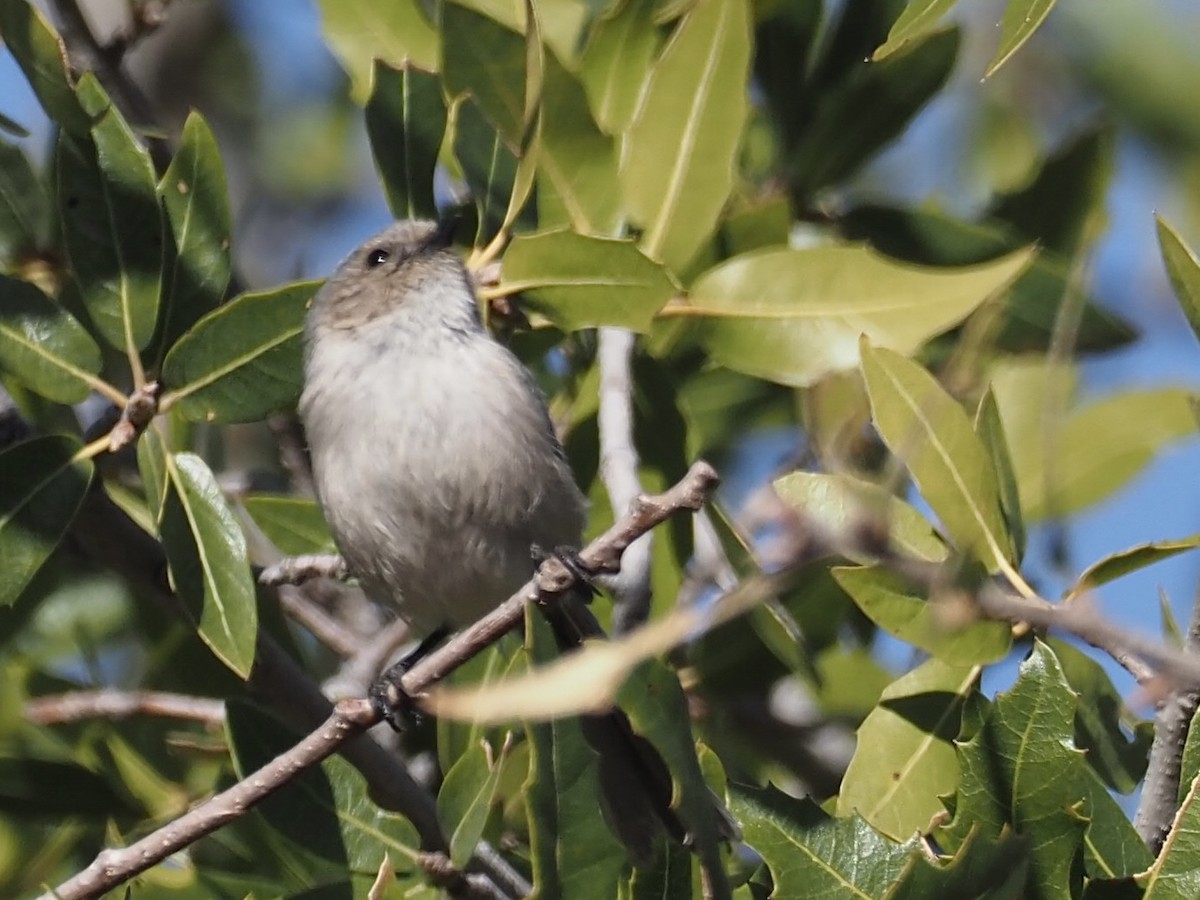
(377, 257)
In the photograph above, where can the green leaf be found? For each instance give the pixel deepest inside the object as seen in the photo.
(857, 115)
(41, 490)
(1120, 564)
(905, 757)
(43, 345)
(793, 316)
(32, 788)
(362, 31)
(919, 18)
(890, 602)
(930, 431)
(990, 429)
(1183, 268)
(489, 167)
(243, 360)
(581, 282)
(1021, 19)
(209, 567)
(293, 524)
(572, 852)
(326, 809)
(25, 221)
(40, 53)
(983, 869)
(617, 60)
(406, 122)
(112, 225)
(845, 505)
(196, 201)
(486, 60)
(1175, 874)
(694, 104)
(577, 160)
(465, 800)
(152, 466)
(810, 854)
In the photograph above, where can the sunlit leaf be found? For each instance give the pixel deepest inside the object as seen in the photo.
(796, 315)
(1021, 19)
(406, 121)
(1117, 565)
(112, 224)
(43, 345)
(617, 60)
(465, 800)
(41, 490)
(293, 524)
(580, 282)
(244, 359)
(487, 61)
(918, 19)
(209, 566)
(40, 53)
(990, 429)
(985, 868)
(1183, 268)
(905, 757)
(678, 162)
(362, 31)
(930, 431)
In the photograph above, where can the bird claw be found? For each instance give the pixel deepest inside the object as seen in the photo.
(573, 563)
(390, 700)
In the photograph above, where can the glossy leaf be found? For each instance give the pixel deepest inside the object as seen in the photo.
(919, 18)
(326, 809)
(927, 428)
(795, 315)
(810, 854)
(43, 345)
(41, 490)
(196, 200)
(581, 282)
(25, 222)
(1021, 19)
(905, 757)
(894, 605)
(293, 524)
(243, 360)
(362, 31)
(486, 60)
(578, 162)
(695, 105)
(112, 225)
(40, 53)
(617, 60)
(1123, 563)
(845, 505)
(209, 567)
(1175, 874)
(983, 869)
(1183, 268)
(406, 121)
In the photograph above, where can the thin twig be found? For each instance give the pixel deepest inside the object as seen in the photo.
(299, 569)
(619, 471)
(324, 627)
(109, 703)
(293, 452)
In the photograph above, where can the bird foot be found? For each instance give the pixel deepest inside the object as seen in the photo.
(388, 696)
(570, 558)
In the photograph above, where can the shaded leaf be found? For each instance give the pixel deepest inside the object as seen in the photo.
(1183, 268)
(489, 167)
(1021, 19)
(845, 506)
(581, 282)
(694, 104)
(990, 429)
(930, 431)
(616, 62)
(32, 788)
(810, 854)
(41, 490)
(983, 869)
(905, 757)
(25, 221)
(891, 602)
(796, 315)
(43, 345)
(243, 360)
(293, 524)
(406, 121)
(919, 18)
(112, 225)
(209, 567)
(465, 800)
(487, 61)
(40, 53)
(362, 31)
(196, 200)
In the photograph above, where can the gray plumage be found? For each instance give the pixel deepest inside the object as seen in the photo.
(435, 459)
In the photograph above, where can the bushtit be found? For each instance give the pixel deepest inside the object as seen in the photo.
(438, 468)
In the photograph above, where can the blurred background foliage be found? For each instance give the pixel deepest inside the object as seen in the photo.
(1009, 197)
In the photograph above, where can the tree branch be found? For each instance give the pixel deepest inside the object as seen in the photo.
(109, 703)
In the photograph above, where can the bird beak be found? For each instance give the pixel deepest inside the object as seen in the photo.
(443, 235)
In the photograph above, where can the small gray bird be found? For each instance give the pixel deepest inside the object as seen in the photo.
(438, 469)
